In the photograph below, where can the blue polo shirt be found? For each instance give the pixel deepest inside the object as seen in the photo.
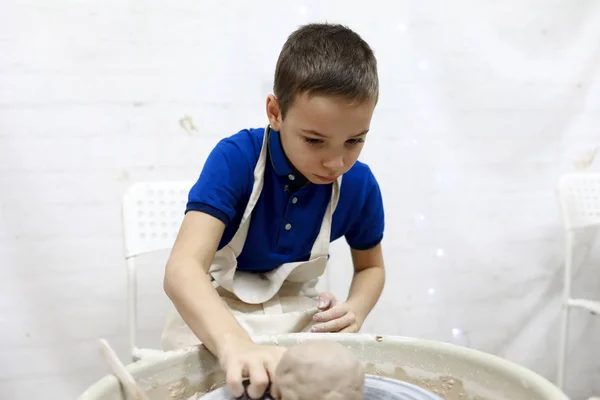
(287, 217)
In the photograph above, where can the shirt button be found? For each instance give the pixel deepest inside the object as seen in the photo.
(294, 200)
(288, 227)
(291, 177)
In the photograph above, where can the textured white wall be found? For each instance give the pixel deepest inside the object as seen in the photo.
(483, 105)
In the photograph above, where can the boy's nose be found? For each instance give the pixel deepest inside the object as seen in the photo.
(334, 164)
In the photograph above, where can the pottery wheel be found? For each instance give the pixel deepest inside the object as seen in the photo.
(376, 388)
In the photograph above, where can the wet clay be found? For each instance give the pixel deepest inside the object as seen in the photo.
(319, 370)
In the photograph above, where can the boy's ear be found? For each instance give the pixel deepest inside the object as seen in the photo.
(273, 112)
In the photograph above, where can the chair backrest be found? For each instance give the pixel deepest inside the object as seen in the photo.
(579, 195)
(152, 213)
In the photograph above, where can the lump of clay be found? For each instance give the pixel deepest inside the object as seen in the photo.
(319, 370)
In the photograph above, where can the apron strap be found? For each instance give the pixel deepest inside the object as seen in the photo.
(239, 238)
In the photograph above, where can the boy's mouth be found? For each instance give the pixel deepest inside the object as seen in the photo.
(327, 179)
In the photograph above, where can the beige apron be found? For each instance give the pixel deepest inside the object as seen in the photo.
(280, 301)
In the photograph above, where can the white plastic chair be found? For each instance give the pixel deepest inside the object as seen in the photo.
(151, 216)
(579, 197)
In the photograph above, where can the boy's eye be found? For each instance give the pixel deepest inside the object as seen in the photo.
(356, 141)
(313, 140)
(351, 142)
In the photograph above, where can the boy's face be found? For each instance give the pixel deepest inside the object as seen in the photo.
(322, 136)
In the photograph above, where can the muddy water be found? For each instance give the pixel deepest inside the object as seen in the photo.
(447, 387)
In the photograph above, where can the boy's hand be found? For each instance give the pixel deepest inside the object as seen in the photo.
(335, 316)
(250, 361)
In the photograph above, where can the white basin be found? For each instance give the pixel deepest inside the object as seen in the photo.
(442, 368)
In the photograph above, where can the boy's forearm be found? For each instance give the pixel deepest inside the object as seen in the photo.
(202, 309)
(365, 290)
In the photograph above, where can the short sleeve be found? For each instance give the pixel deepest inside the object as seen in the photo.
(223, 182)
(367, 230)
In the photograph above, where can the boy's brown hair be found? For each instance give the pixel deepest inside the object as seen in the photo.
(325, 59)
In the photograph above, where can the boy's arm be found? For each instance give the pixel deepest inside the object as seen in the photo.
(367, 282)
(187, 284)
(223, 185)
(365, 289)
(364, 238)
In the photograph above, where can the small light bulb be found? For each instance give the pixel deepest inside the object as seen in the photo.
(431, 291)
(423, 65)
(439, 253)
(456, 332)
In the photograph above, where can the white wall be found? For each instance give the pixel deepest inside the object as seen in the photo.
(483, 105)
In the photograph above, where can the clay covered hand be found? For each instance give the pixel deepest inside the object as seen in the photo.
(318, 370)
(245, 361)
(334, 315)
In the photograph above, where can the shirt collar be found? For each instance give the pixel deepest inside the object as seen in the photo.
(279, 160)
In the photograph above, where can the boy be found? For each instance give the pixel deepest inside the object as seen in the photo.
(259, 220)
